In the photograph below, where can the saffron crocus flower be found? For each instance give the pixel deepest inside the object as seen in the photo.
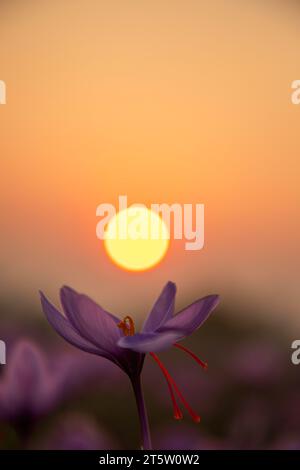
(89, 327)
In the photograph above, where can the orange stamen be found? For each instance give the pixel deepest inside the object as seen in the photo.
(127, 326)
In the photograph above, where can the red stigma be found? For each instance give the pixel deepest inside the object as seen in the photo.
(172, 385)
(204, 365)
(176, 410)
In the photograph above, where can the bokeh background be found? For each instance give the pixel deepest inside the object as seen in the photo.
(165, 102)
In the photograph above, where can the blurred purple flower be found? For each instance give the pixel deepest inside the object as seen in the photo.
(78, 432)
(184, 438)
(250, 425)
(89, 327)
(26, 388)
(256, 363)
(32, 384)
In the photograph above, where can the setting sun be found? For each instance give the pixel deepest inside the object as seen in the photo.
(136, 238)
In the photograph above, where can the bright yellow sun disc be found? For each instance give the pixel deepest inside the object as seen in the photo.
(136, 238)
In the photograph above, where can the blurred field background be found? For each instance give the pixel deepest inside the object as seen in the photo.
(165, 102)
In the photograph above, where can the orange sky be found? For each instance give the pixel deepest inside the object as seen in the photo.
(165, 102)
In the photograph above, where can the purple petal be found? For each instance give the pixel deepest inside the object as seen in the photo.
(65, 329)
(191, 317)
(162, 310)
(90, 320)
(78, 333)
(149, 342)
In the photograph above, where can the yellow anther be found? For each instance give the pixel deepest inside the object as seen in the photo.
(127, 326)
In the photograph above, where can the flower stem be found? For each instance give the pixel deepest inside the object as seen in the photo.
(142, 412)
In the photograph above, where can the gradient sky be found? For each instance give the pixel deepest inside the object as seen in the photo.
(182, 101)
